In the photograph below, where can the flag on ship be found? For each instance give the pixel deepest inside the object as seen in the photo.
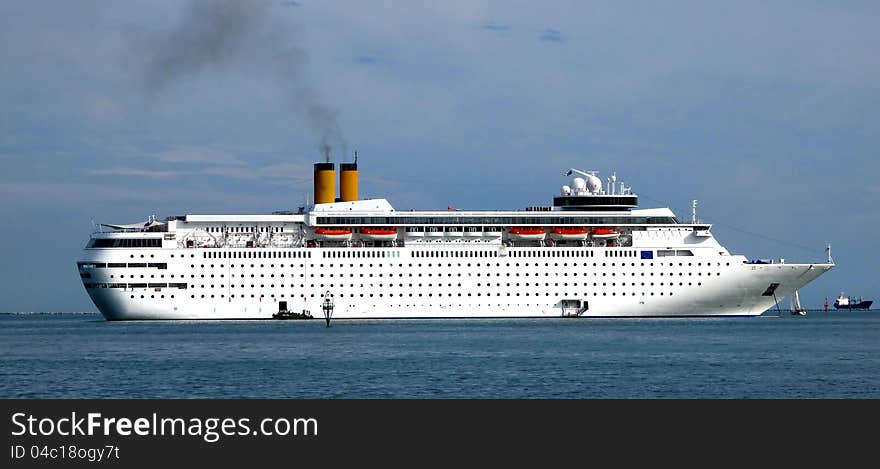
(567, 173)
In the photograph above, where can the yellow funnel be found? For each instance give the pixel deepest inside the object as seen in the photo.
(348, 182)
(325, 183)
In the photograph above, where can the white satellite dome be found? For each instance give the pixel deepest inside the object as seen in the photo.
(579, 185)
(594, 184)
(566, 190)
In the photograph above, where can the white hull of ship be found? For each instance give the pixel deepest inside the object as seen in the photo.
(732, 288)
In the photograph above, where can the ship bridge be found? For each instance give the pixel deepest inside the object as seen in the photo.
(586, 194)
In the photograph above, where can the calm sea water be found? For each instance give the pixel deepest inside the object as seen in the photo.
(834, 355)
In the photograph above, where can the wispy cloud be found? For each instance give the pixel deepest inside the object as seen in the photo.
(199, 155)
(365, 60)
(72, 194)
(137, 172)
(495, 27)
(552, 35)
(230, 172)
(60, 193)
(100, 108)
(293, 174)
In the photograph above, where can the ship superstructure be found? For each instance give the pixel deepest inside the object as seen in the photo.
(593, 253)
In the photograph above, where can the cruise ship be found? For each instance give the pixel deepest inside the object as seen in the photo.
(592, 253)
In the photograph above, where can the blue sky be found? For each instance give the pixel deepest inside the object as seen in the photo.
(767, 112)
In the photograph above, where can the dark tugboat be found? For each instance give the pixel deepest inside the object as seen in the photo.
(284, 313)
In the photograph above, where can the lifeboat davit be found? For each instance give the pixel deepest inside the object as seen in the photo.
(569, 232)
(526, 232)
(379, 232)
(333, 233)
(605, 233)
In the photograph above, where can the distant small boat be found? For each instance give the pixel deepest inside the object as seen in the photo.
(796, 308)
(848, 302)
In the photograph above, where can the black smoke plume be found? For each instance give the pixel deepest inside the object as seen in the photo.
(212, 35)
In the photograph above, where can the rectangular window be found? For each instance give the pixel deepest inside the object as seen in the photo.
(126, 243)
(158, 265)
(672, 252)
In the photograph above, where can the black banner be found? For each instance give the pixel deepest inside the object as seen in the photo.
(135, 433)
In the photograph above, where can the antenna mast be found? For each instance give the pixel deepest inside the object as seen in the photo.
(694, 211)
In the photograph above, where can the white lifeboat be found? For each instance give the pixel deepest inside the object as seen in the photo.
(605, 233)
(569, 232)
(379, 232)
(526, 232)
(333, 233)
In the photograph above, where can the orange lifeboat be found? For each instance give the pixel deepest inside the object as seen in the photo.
(379, 232)
(526, 232)
(569, 232)
(605, 233)
(333, 233)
